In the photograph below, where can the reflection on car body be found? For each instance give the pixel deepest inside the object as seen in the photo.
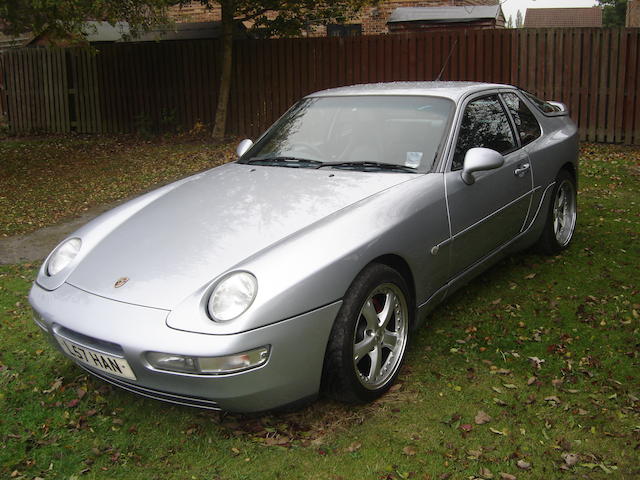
(307, 263)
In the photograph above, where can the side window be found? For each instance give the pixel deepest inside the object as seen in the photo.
(484, 124)
(526, 123)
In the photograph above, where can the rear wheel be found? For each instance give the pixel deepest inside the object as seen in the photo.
(369, 337)
(561, 218)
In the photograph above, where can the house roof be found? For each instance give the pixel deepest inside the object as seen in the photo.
(104, 31)
(7, 41)
(120, 32)
(187, 31)
(445, 14)
(563, 17)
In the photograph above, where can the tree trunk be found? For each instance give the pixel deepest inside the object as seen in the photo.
(225, 76)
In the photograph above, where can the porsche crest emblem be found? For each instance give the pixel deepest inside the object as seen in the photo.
(120, 282)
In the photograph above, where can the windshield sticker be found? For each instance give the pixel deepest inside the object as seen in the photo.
(413, 159)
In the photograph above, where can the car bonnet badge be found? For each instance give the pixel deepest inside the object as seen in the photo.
(120, 282)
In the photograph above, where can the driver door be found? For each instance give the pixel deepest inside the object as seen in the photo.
(490, 212)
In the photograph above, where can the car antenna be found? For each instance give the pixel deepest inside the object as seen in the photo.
(446, 62)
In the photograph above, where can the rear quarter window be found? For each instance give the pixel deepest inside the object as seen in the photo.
(526, 123)
(544, 107)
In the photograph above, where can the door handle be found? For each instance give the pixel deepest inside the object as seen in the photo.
(522, 170)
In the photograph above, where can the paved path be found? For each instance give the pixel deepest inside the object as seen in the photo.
(36, 245)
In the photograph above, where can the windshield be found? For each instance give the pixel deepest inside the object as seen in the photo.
(357, 131)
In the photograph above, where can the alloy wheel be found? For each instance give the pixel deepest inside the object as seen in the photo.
(380, 336)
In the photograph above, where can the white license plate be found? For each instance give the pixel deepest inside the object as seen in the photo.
(107, 363)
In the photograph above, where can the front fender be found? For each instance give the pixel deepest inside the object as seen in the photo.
(316, 266)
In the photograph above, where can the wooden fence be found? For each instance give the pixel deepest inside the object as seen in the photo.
(161, 86)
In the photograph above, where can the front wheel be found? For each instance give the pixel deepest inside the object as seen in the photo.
(369, 337)
(561, 218)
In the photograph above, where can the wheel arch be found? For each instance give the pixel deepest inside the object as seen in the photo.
(571, 168)
(334, 381)
(401, 266)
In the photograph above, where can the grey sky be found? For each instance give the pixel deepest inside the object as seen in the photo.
(510, 7)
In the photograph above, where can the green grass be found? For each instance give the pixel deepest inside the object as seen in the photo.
(44, 180)
(577, 311)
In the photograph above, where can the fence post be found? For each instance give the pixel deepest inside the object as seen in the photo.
(4, 119)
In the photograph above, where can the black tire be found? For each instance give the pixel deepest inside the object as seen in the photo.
(344, 376)
(551, 241)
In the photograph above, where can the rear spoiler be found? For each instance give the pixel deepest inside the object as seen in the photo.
(561, 108)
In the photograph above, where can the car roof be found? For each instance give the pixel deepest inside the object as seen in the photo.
(452, 90)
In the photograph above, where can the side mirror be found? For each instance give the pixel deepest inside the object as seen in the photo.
(243, 146)
(479, 159)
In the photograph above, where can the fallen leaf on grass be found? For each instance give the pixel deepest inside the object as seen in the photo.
(409, 450)
(522, 465)
(482, 418)
(531, 380)
(497, 432)
(354, 447)
(54, 386)
(602, 467)
(497, 401)
(279, 440)
(465, 427)
(474, 454)
(317, 441)
(510, 386)
(507, 476)
(570, 459)
(552, 399)
(536, 362)
(486, 473)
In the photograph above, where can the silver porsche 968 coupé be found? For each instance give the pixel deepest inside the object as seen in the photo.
(305, 265)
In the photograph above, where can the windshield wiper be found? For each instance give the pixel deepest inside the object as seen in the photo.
(296, 162)
(293, 162)
(368, 166)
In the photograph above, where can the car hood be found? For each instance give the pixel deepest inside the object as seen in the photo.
(210, 223)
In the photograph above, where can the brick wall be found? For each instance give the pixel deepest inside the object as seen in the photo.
(195, 12)
(373, 19)
(633, 13)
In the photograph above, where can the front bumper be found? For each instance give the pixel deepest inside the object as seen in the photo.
(293, 371)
